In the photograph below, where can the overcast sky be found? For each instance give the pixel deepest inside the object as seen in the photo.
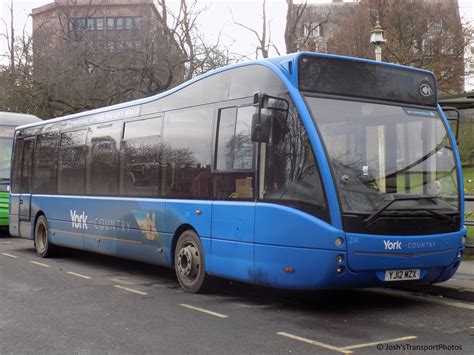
(217, 19)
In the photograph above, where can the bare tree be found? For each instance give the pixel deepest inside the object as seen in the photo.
(294, 14)
(303, 21)
(264, 38)
(76, 67)
(197, 55)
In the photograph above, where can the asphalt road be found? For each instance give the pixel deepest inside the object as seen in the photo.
(85, 303)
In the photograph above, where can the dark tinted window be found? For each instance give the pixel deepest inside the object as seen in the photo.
(140, 167)
(27, 165)
(233, 185)
(234, 175)
(367, 80)
(46, 163)
(291, 173)
(143, 128)
(72, 163)
(16, 183)
(186, 151)
(103, 161)
(225, 146)
(243, 145)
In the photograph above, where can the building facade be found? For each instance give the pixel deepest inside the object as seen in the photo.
(94, 53)
(106, 24)
(319, 23)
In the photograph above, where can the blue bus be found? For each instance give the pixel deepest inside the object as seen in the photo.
(303, 171)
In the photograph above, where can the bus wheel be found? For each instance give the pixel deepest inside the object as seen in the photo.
(189, 262)
(43, 248)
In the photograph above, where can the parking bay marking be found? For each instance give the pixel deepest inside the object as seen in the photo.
(79, 275)
(40, 264)
(215, 314)
(366, 345)
(345, 349)
(131, 290)
(313, 342)
(10, 255)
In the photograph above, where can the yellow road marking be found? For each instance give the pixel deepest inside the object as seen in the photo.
(313, 342)
(215, 314)
(131, 290)
(366, 345)
(40, 264)
(10, 255)
(79, 275)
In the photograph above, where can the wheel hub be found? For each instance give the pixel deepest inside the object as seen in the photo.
(188, 261)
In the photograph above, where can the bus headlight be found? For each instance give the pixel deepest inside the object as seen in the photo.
(339, 241)
(340, 269)
(339, 258)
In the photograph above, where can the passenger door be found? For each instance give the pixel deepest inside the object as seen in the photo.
(233, 192)
(25, 188)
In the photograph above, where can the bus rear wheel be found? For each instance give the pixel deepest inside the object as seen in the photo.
(42, 245)
(189, 262)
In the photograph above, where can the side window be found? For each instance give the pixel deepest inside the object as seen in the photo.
(186, 152)
(235, 155)
(102, 161)
(46, 163)
(17, 155)
(291, 174)
(140, 154)
(72, 162)
(27, 165)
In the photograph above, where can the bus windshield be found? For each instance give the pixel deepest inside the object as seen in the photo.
(385, 153)
(6, 142)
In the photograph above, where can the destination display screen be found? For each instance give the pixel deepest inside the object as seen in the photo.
(347, 77)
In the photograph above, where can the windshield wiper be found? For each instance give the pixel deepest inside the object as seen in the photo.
(373, 217)
(443, 216)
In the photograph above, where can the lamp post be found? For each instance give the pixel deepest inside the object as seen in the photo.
(377, 38)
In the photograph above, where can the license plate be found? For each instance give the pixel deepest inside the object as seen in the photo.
(399, 275)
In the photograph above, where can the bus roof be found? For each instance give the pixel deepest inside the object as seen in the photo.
(17, 119)
(279, 63)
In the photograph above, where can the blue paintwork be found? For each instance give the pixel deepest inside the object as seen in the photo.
(252, 242)
(232, 240)
(367, 252)
(457, 156)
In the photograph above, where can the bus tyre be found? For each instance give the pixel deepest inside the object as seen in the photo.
(189, 262)
(43, 248)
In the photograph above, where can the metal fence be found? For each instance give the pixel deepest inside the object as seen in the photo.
(469, 199)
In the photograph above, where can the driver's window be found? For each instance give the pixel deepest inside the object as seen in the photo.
(291, 174)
